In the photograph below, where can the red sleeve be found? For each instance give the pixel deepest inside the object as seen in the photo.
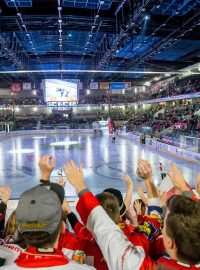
(157, 248)
(85, 205)
(149, 264)
(82, 232)
(140, 240)
(78, 227)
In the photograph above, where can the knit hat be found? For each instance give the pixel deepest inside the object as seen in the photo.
(39, 210)
(119, 197)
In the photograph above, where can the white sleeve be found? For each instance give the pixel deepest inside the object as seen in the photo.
(120, 254)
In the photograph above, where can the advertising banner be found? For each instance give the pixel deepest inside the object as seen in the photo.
(16, 87)
(104, 85)
(120, 87)
(94, 85)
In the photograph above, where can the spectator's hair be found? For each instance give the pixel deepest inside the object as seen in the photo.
(41, 239)
(110, 204)
(183, 226)
(11, 225)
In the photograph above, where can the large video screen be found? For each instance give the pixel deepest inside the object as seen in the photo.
(60, 90)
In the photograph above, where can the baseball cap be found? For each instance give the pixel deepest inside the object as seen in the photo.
(58, 189)
(39, 210)
(118, 195)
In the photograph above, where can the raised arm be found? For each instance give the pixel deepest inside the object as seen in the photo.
(179, 181)
(144, 171)
(46, 165)
(5, 192)
(141, 194)
(117, 250)
(129, 191)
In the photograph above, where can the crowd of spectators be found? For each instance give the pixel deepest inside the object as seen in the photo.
(158, 230)
(6, 117)
(181, 117)
(178, 87)
(137, 120)
(112, 99)
(174, 88)
(21, 101)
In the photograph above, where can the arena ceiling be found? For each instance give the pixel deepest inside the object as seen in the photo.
(137, 35)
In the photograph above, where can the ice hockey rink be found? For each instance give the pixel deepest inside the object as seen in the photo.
(105, 163)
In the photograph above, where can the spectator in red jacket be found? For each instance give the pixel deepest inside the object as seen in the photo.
(181, 226)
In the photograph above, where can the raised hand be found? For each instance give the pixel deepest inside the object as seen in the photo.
(46, 165)
(141, 194)
(5, 192)
(128, 180)
(144, 170)
(140, 190)
(177, 178)
(138, 207)
(129, 191)
(74, 175)
(61, 181)
(162, 197)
